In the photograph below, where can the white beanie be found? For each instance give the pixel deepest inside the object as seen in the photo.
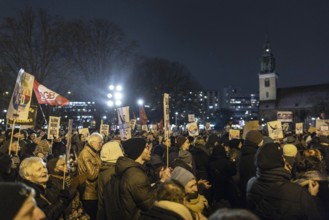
(111, 151)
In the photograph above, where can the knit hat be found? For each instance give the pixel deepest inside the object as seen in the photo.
(51, 165)
(182, 175)
(111, 151)
(290, 152)
(269, 156)
(180, 140)
(254, 136)
(134, 147)
(13, 196)
(185, 156)
(290, 140)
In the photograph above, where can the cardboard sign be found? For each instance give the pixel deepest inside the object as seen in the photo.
(275, 130)
(234, 134)
(193, 129)
(299, 128)
(166, 117)
(53, 127)
(105, 129)
(124, 123)
(322, 127)
(249, 126)
(285, 116)
(191, 118)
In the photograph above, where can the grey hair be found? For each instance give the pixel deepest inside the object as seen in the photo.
(95, 137)
(25, 169)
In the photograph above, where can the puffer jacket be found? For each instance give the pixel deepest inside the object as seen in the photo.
(89, 164)
(271, 195)
(135, 195)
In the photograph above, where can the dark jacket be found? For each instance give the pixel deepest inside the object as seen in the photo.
(201, 158)
(271, 195)
(135, 192)
(48, 199)
(221, 171)
(247, 168)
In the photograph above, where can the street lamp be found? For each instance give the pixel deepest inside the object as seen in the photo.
(176, 113)
(140, 102)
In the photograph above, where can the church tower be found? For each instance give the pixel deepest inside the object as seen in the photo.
(267, 76)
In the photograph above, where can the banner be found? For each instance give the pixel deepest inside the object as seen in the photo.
(284, 116)
(250, 125)
(53, 127)
(275, 130)
(142, 116)
(191, 118)
(30, 121)
(299, 128)
(166, 115)
(193, 129)
(208, 128)
(104, 129)
(124, 123)
(322, 127)
(21, 98)
(47, 96)
(234, 134)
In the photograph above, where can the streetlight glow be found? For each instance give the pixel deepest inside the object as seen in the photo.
(111, 87)
(118, 95)
(140, 102)
(119, 88)
(110, 103)
(109, 95)
(118, 102)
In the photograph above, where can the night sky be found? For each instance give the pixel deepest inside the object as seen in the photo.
(219, 41)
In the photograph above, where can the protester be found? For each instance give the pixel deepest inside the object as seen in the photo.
(34, 173)
(169, 203)
(19, 203)
(89, 163)
(193, 200)
(271, 195)
(132, 193)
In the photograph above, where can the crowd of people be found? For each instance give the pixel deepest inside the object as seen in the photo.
(152, 177)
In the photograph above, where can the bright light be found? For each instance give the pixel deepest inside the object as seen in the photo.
(176, 113)
(118, 95)
(110, 103)
(109, 95)
(104, 117)
(119, 88)
(69, 92)
(5, 110)
(140, 102)
(111, 87)
(118, 102)
(138, 119)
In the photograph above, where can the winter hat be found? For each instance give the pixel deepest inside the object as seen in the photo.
(290, 152)
(51, 165)
(180, 140)
(134, 147)
(111, 151)
(254, 136)
(158, 150)
(234, 143)
(290, 139)
(181, 175)
(269, 156)
(212, 139)
(185, 156)
(14, 195)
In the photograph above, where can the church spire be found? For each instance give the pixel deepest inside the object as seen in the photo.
(268, 60)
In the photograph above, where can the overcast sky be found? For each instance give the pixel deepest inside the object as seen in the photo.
(219, 41)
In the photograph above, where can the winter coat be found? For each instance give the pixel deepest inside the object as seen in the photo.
(89, 164)
(135, 192)
(271, 195)
(48, 199)
(201, 158)
(221, 171)
(105, 172)
(167, 210)
(247, 168)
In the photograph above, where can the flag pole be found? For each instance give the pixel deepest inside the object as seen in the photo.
(43, 115)
(11, 136)
(19, 139)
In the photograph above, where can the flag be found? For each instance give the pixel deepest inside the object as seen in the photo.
(124, 123)
(21, 98)
(142, 116)
(47, 96)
